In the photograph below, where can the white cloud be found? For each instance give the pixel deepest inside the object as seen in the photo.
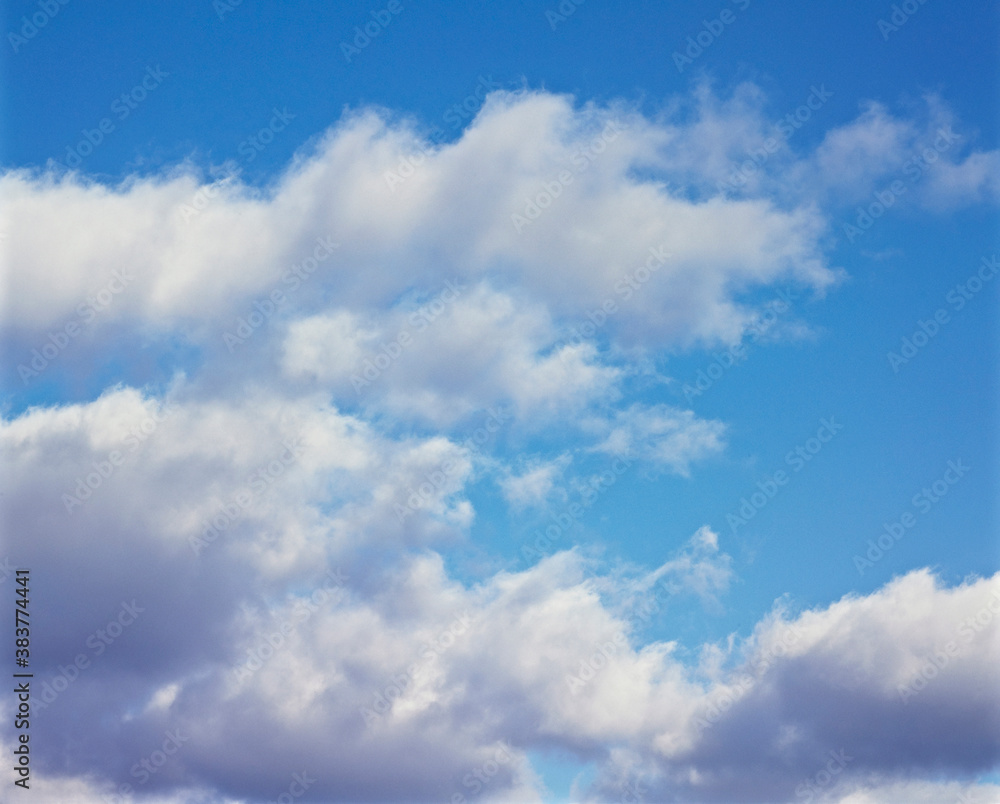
(278, 469)
(975, 180)
(851, 156)
(829, 680)
(534, 485)
(919, 793)
(930, 156)
(205, 271)
(449, 356)
(698, 567)
(453, 667)
(662, 435)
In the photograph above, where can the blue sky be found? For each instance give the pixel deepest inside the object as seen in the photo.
(259, 133)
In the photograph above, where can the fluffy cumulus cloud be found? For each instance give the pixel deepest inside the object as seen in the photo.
(460, 351)
(590, 226)
(830, 703)
(662, 435)
(535, 483)
(252, 555)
